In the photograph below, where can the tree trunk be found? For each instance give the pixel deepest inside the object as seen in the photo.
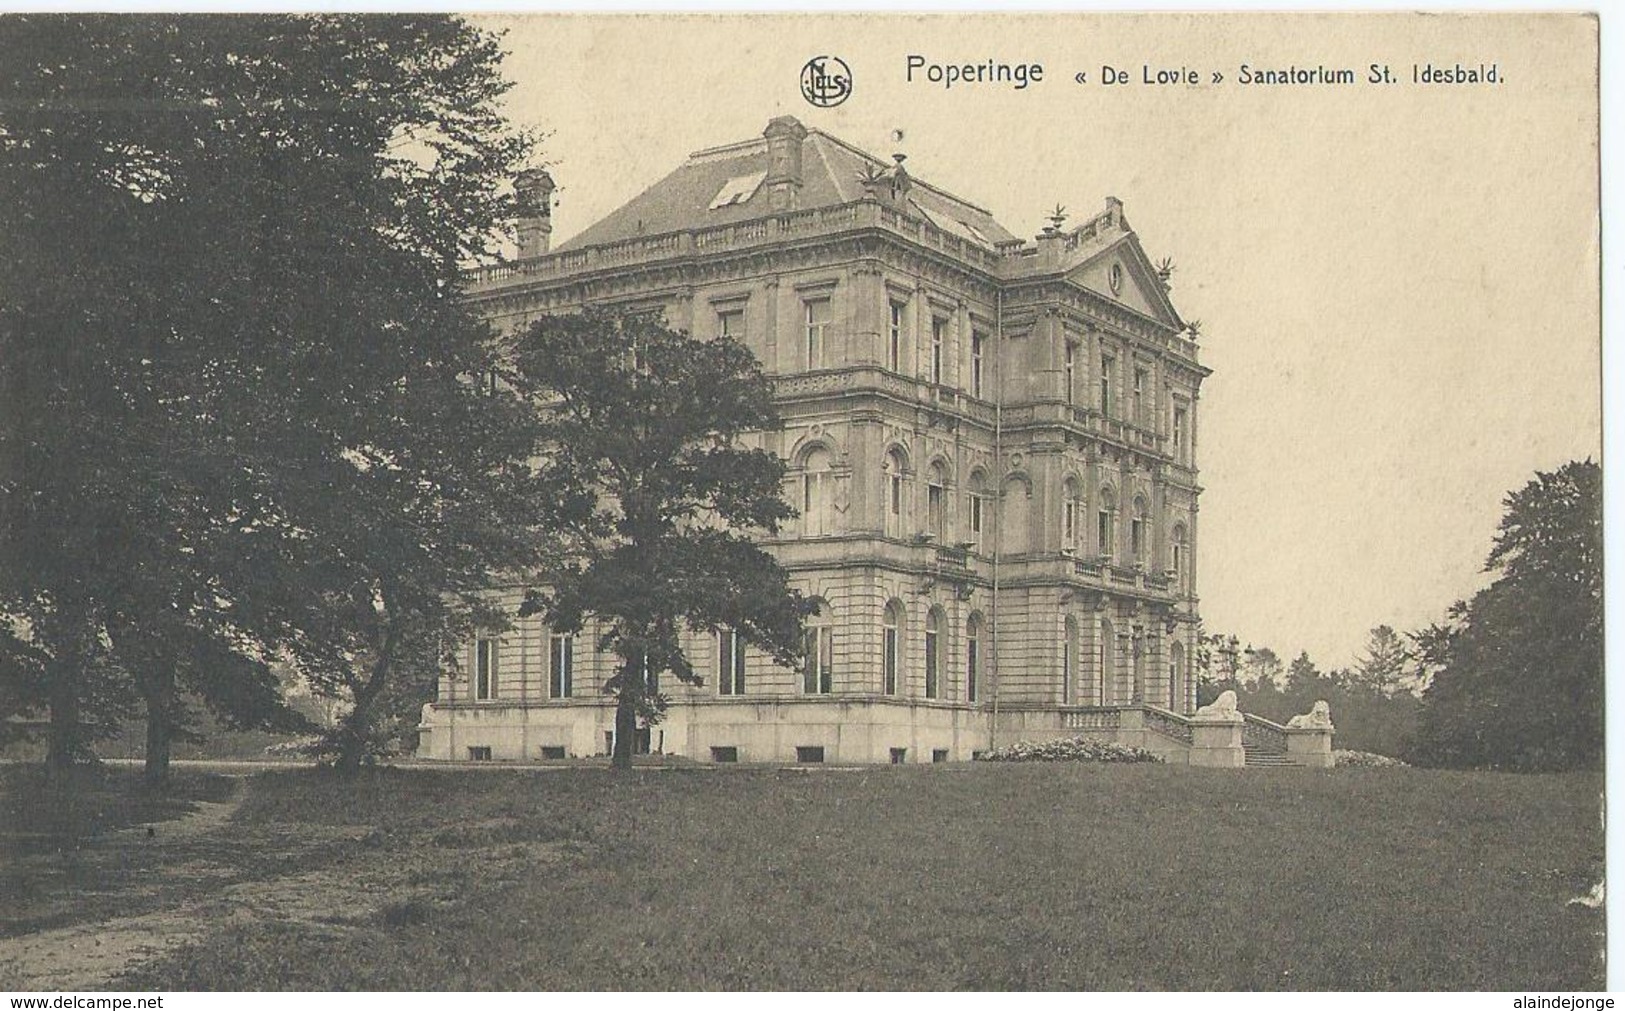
(158, 690)
(66, 732)
(626, 730)
(352, 743)
(354, 738)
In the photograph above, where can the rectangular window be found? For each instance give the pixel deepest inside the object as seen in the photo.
(724, 753)
(561, 666)
(974, 507)
(731, 324)
(894, 338)
(1179, 431)
(1104, 532)
(934, 510)
(485, 669)
(1107, 363)
(818, 665)
(1070, 374)
(939, 755)
(1136, 537)
(977, 340)
(1139, 396)
(479, 753)
(730, 663)
(1069, 524)
(552, 752)
(899, 756)
(810, 754)
(939, 328)
(818, 317)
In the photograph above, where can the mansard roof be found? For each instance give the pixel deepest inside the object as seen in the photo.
(831, 170)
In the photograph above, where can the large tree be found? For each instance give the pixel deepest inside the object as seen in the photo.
(646, 470)
(1386, 665)
(1518, 669)
(244, 408)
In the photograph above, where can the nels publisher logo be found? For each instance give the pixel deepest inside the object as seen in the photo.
(826, 81)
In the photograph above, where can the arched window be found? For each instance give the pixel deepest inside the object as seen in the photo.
(1105, 524)
(936, 502)
(818, 660)
(816, 492)
(1069, 660)
(933, 653)
(894, 495)
(973, 656)
(1071, 515)
(1176, 677)
(1105, 691)
(1177, 560)
(1139, 535)
(891, 646)
(976, 509)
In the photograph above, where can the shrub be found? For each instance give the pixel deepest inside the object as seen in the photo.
(1366, 760)
(1076, 749)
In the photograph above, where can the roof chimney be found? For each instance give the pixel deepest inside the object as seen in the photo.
(1114, 211)
(784, 136)
(534, 188)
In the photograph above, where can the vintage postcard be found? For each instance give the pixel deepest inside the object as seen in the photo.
(782, 502)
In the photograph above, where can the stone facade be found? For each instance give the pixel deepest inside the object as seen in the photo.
(992, 442)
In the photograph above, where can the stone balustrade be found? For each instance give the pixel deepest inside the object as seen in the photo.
(731, 237)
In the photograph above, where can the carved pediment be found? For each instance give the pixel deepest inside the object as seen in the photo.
(1121, 272)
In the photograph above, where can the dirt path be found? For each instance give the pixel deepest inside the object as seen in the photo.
(209, 875)
(86, 956)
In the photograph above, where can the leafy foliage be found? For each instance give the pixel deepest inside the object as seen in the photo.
(242, 416)
(646, 473)
(1517, 675)
(1074, 749)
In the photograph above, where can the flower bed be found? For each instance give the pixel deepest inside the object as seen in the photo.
(1076, 749)
(1366, 760)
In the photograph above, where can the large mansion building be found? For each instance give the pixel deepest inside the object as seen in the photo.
(991, 442)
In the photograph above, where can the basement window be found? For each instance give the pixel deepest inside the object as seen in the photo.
(810, 754)
(479, 753)
(899, 756)
(724, 753)
(552, 751)
(737, 190)
(939, 755)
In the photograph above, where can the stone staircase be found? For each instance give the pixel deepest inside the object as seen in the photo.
(1263, 744)
(1255, 757)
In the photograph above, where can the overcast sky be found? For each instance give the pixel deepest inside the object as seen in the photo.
(1397, 284)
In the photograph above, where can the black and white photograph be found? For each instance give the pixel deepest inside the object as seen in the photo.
(881, 501)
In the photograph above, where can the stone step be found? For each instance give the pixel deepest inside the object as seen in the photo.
(1265, 759)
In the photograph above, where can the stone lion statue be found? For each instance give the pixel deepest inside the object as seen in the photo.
(1319, 716)
(1221, 708)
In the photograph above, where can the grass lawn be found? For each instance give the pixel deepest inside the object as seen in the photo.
(944, 877)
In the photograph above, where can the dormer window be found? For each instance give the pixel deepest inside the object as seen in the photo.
(737, 190)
